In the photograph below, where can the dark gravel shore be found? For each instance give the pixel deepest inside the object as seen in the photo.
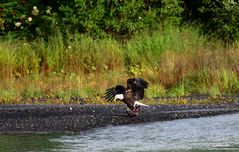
(75, 118)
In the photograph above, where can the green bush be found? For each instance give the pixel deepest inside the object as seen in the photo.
(27, 18)
(220, 17)
(117, 18)
(217, 18)
(98, 18)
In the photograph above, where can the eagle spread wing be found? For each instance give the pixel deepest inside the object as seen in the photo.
(137, 86)
(112, 92)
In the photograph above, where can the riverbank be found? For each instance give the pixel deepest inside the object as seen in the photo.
(77, 118)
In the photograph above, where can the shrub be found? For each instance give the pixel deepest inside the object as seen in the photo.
(27, 18)
(98, 18)
(218, 18)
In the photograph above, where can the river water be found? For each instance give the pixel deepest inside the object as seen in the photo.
(219, 133)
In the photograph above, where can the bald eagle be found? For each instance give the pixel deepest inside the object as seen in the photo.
(129, 95)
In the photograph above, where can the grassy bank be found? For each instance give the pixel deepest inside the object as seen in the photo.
(175, 61)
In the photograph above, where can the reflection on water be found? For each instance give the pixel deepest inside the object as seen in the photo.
(220, 133)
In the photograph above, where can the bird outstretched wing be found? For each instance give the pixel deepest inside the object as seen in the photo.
(137, 85)
(112, 92)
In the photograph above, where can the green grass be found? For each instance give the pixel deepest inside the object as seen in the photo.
(176, 62)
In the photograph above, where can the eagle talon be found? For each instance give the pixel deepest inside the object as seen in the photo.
(132, 113)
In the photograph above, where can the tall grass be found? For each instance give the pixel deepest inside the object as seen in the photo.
(176, 61)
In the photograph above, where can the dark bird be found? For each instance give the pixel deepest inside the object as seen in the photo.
(130, 95)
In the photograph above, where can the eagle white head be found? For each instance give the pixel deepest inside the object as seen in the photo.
(119, 97)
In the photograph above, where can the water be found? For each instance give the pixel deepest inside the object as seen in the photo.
(220, 133)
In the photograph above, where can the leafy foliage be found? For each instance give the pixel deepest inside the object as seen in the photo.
(117, 18)
(27, 18)
(218, 18)
(98, 18)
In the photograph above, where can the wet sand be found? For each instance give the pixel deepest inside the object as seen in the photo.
(76, 118)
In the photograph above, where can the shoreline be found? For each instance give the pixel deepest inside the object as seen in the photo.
(77, 118)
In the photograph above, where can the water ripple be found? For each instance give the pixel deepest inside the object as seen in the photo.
(219, 133)
(206, 134)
